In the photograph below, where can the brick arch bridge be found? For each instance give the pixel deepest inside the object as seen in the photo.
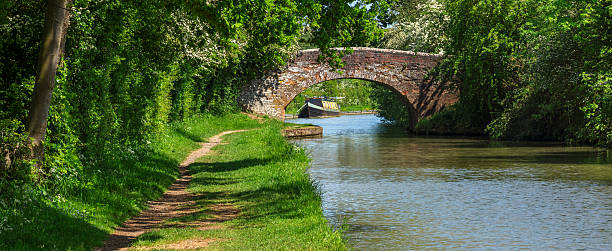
(402, 71)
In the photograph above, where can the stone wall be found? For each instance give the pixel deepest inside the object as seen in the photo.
(402, 71)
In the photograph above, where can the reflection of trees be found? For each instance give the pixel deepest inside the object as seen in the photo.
(357, 152)
(411, 188)
(450, 160)
(381, 153)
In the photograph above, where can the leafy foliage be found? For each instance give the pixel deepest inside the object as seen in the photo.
(524, 69)
(391, 107)
(416, 26)
(562, 92)
(131, 70)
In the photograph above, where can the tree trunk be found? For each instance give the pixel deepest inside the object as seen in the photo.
(56, 24)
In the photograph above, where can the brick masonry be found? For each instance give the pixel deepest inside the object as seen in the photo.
(403, 71)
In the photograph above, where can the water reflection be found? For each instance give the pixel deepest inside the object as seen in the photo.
(401, 192)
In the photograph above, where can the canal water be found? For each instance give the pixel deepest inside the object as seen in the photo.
(392, 191)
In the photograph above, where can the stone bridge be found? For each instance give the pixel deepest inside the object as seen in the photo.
(402, 71)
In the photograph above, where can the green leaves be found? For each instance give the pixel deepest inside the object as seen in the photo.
(345, 23)
(132, 67)
(483, 36)
(555, 53)
(597, 108)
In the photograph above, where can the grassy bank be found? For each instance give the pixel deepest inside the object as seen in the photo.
(263, 178)
(276, 190)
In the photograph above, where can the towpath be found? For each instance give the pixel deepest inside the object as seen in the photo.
(176, 202)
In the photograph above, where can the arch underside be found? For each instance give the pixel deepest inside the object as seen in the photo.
(294, 93)
(395, 77)
(403, 72)
(409, 105)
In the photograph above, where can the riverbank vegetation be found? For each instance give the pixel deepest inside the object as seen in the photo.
(258, 172)
(131, 73)
(524, 69)
(136, 83)
(81, 215)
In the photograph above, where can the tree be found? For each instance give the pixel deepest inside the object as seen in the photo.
(257, 33)
(52, 46)
(417, 25)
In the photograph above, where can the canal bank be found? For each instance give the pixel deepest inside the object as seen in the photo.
(251, 193)
(294, 131)
(397, 191)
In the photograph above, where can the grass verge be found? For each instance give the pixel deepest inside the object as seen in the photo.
(31, 218)
(261, 179)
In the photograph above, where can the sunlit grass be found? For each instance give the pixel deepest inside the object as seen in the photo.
(258, 173)
(110, 192)
(265, 178)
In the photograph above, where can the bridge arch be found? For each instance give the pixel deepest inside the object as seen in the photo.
(402, 71)
(407, 103)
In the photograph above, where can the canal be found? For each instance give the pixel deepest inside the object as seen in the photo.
(393, 191)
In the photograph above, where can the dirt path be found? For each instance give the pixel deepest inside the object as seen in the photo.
(175, 202)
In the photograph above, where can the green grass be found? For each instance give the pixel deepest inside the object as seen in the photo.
(293, 125)
(108, 194)
(258, 172)
(263, 176)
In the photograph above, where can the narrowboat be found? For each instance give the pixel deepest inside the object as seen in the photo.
(319, 107)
